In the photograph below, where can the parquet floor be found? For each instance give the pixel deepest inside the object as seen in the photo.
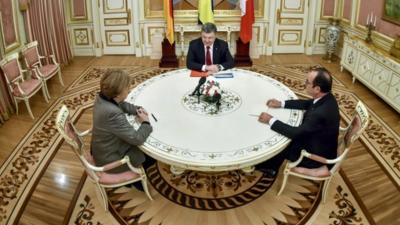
(49, 203)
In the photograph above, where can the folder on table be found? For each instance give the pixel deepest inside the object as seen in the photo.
(195, 73)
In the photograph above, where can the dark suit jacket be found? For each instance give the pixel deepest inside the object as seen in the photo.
(113, 136)
(318, 133)
(196, 54)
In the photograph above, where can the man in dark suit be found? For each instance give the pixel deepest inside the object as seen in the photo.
(319, 130)
(208, 53)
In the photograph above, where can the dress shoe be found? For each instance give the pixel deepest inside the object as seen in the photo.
(270, 173)
(137, 185)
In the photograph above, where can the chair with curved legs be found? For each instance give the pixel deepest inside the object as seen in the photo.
(97, 174)
(33, 61)
(19, 87)
(346, 138)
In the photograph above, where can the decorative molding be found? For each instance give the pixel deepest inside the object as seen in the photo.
(8, 16)
(321, 35)
(282, 33)
(299, 10)
(219, 15)
(108, 10)
(81, 36)
(122, 33)
(76, 14)
(116, 21)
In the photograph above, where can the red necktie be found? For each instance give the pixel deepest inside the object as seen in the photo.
(208, 56)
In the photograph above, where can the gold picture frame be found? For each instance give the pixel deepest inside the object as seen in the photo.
(391, 12)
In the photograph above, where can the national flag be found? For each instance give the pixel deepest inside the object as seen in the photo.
(169, 17)
(206, 11)
(246, 24)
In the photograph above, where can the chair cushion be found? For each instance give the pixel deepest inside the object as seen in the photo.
(31, 56)
(112, 178)
(48, 70)
(116, 178)
(11, 70)
(322, 171)
(28, 87)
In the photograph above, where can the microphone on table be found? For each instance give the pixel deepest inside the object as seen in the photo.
(197, 89)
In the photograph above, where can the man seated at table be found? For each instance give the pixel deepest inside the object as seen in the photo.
(318, 132)
(208, 53)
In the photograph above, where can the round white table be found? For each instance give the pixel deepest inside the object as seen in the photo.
(192, 135)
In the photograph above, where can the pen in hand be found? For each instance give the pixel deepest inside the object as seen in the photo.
(154, 117)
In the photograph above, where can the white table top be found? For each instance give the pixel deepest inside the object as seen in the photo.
(192, 136)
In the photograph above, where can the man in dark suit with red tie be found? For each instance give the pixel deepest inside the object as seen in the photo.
(319, 130)
(208, 53)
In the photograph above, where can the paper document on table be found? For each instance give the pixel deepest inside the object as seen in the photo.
(224, 75)
(257, 110)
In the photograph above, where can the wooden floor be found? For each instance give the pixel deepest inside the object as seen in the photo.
(377, 192)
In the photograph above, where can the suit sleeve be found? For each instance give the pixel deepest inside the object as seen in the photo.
(191, 59)
(128, 108)
(310, 125)
(227, 61)
(119, 126)
(298, 104)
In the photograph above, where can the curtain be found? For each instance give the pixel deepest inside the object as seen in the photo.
(45, 22)
(6, 103)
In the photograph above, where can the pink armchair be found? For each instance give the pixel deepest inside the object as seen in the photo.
(19, 87)
(98, 175)
(33, 61)
(346, 138)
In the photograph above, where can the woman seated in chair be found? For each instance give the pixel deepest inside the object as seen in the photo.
(113, 137)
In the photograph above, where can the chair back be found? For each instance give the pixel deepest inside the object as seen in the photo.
(352, 132)
(11, 68)
(71, 136)
(31, 56)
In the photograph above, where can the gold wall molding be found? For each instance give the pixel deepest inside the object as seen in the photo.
(81, 36)
(124, 33)
(108, 10)
(299, 10)
(71, 11)
(8, 47)
(219, 15)
(282, 33)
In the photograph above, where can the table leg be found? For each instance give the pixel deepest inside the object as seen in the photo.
(177, 170)
(248, 169)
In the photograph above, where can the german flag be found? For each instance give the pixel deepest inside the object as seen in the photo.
(169, 17)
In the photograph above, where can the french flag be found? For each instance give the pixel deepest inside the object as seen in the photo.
(246, 24)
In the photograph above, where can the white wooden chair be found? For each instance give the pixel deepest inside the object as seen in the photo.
(33, 61)
(19, 87)
(346, 137)
(97, 174)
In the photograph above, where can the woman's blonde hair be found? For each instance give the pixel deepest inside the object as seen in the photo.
(113, 82)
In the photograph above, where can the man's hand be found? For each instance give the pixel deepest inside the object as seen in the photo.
(273, 103)
(142, 115)
(212, 69)
(264, 117)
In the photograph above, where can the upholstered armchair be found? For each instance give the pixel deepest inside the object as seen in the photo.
(33, 61)
(21, 89)
(97, 174)
(346, 138)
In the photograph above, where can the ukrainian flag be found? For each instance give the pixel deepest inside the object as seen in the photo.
(206, 11)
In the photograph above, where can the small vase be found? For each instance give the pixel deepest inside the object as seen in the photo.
(331, 39)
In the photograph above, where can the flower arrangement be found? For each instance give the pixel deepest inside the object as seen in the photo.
(211, 90)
